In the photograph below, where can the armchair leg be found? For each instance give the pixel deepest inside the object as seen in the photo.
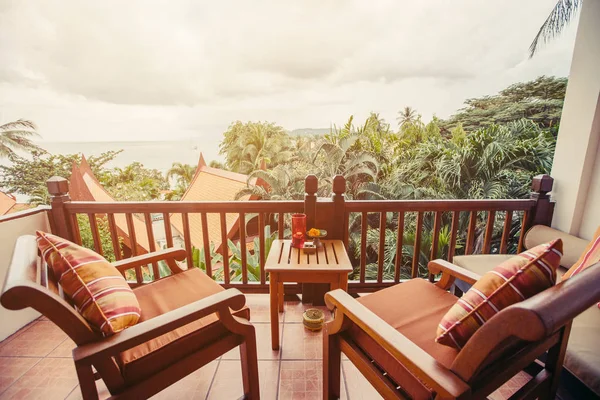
(87, 382)
(332, 359)
(249, 359)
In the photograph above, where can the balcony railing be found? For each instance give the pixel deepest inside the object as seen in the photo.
(372, 231)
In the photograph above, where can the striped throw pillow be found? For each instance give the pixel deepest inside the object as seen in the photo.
(99, 292)
(590, 256)
(514, 280)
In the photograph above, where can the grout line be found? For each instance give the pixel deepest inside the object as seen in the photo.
(344, 378)
(20, 376)
(74, 389)
(213, 378)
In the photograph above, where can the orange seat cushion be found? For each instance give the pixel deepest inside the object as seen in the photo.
(160, 297)
(514, 280)
(414, 308)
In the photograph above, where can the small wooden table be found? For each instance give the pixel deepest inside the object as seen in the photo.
(330, 264)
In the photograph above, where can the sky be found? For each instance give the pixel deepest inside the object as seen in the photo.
(164, 70)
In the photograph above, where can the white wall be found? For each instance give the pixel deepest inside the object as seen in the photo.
(12, 321)
(576, 168)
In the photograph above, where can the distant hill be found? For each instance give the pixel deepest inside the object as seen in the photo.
(309, 131)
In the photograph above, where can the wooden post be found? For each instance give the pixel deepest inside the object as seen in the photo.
(311, 185)
(544, 208)
(339, 208)
(60, 222)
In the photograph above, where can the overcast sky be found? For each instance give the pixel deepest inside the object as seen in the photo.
(156, 70)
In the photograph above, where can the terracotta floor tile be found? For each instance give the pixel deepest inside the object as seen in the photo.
(64, 350)
(294, 309)
(51, 378)
(357, 385)
(193, 386)
(228, 380)
(259, 308)
(303, 380)
(511, 387)
(263, 344)
(12, 368)
(36, 341)
(301, 344)
(103, 392)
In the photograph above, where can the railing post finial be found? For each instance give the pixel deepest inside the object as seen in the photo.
(544, 207)
(311, 185)
(60, 224)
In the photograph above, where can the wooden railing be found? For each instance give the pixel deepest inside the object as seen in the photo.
(468, 226)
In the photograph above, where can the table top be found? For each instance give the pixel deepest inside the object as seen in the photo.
(331, 257)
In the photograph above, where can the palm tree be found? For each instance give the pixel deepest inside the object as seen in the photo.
(560, 16)
(16, 136)
(285, 182)
(407, 115)
(184, 173)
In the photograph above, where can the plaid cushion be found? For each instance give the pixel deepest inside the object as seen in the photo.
(590, 256)
(99, 292)
(514, 280)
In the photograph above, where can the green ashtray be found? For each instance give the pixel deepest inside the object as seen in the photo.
(313, 319)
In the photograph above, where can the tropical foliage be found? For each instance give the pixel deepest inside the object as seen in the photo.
(16, 136)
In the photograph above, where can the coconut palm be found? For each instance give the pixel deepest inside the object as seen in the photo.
(284, 182)
(407, 115)
(16, 136)
(184, 173)
(560, 16)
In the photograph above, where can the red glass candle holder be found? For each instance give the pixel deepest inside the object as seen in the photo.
(298, 230)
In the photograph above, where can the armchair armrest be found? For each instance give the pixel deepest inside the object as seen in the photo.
(415, 359)
(450, 273)
(168, 255)
(220, 303)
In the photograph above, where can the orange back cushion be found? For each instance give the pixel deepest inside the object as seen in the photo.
(590, 256)
(514, 280)
(99, 292)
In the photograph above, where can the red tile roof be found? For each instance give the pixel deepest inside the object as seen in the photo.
(84, 186)
(7, 201)
(212, 184)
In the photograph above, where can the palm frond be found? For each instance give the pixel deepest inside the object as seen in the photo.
(559, 17)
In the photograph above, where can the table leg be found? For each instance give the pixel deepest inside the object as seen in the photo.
(273, 288)
(281, 293)
(344, 281)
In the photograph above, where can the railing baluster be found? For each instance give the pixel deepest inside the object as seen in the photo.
(151, 243)
(168, 230)
(346, 237)
(524, 228)
(224, 246)
(417, 246)
(489, 231)
(437, 222)
(437, 226)
(242, 224)
(363, 247)
(187, 239)
(453, 235)
(381, 255)
(139, 277)
(471, 232)
(280, 225)
(206, 243)
(506, 232)
(114, 235)
(399, 245)
(75, 229)
(95, 234)
(261, 242)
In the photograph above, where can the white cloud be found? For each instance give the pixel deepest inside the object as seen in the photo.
(137, 69)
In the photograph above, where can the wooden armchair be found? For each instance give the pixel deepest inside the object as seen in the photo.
(187, 321)
(389, 336)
